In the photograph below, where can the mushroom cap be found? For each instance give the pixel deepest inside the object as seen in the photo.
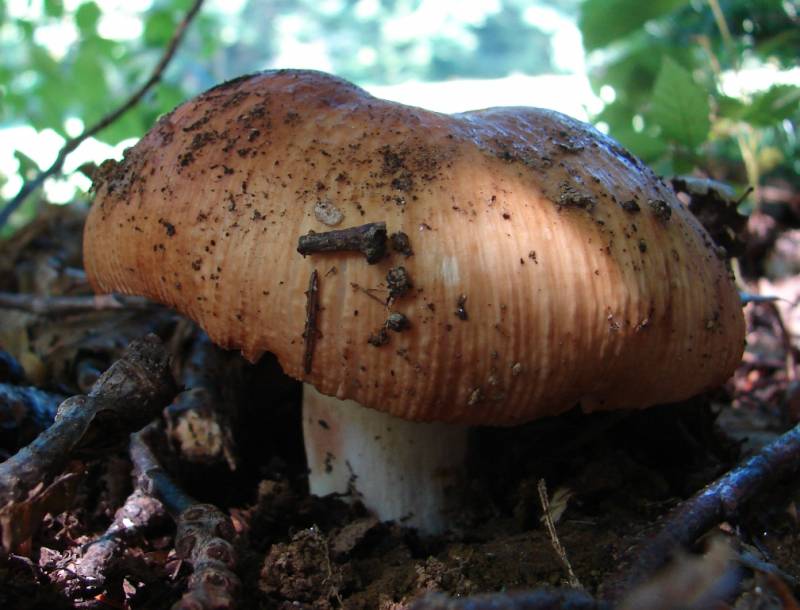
(550, 267)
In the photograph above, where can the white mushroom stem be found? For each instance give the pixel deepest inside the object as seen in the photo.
(402, 471)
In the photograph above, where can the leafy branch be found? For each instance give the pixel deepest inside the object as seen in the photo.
(155, 77)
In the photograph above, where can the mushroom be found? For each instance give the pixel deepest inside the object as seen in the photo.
(537, 264)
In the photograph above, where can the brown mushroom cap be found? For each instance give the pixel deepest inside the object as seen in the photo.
(581, 277)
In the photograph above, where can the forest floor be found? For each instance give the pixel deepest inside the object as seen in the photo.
(611, 478)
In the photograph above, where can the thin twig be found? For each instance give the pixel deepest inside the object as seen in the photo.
(30, 186)
(719, 501)
(547, 515)
(62, 305)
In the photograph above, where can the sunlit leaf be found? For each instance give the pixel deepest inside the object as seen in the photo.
(159, 28)
(129, 125)
(772, 106)
(27, 166)
(604, 21)
(54, 8)
(680, 106)
(26, 28)
(730, 107)
(86, 17)
(168, 96)
(643, 145)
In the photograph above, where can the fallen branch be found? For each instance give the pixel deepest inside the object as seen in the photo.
(30, 186)
(128, 395)
(719, 501)
(85, 576)
(204, 533)
(63, 305)
(539, 599)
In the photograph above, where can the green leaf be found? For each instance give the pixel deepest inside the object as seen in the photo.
(643, 145)
(772, 106)
(54, 8)
(680, 106)
(86, 18)
(27, 166)
(730, 107)
(168, 96)
(159, 28)
(604, 21)
(26, 28)
(129, 125)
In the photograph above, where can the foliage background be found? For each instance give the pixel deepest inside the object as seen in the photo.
(703, 86)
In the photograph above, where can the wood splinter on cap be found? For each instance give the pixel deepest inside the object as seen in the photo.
(310, 332)
(615, 313)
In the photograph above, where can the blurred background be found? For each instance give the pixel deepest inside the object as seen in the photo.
(704, 87)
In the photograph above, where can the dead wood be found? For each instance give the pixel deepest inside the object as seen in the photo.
(127, 396)
(64, 305)
(717, 502)
(85, 575)
(203, 537)
(200, 419)
(539, 599)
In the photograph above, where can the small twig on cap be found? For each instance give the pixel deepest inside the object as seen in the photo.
(368, 292)
(310, 332)
(719, 501)
(549, 523)
(369, 239)
(30, 186)
(203, 537)
(63, 305)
